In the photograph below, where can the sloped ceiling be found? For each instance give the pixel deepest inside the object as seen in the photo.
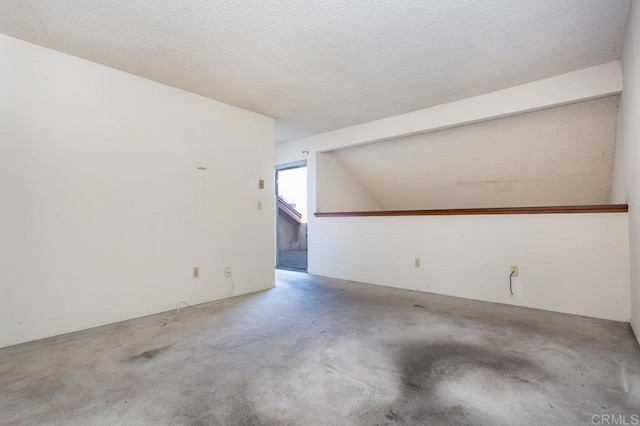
(322, 65)
(557, 156)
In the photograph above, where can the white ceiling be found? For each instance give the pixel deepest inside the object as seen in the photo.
(321, 65)
(552, 157)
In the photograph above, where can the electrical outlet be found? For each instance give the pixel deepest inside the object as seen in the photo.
(227, 272)
(259, 205)
(416, 262)
(261, 184)
(196, 271)
(514, 270)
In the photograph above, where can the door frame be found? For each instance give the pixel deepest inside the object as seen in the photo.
(281, 168)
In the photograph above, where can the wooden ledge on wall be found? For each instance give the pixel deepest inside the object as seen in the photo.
(599, 208)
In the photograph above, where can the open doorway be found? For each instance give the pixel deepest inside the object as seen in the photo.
(291, 216)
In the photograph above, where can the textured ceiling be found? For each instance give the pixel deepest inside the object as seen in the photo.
(556, 156)
(321, 65)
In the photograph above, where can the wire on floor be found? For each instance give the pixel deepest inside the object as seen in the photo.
(181, 304)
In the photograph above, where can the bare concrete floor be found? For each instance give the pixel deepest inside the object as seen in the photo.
(293, 259)
(322, 351)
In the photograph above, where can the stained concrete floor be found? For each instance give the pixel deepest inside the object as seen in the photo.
(321, 351)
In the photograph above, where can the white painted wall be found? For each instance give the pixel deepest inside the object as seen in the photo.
(599, 242)
(104, 212)
(576, 264)
(338, 190)
(556, 156)
(626, 185)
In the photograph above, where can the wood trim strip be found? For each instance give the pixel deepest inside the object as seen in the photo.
(599, 208)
